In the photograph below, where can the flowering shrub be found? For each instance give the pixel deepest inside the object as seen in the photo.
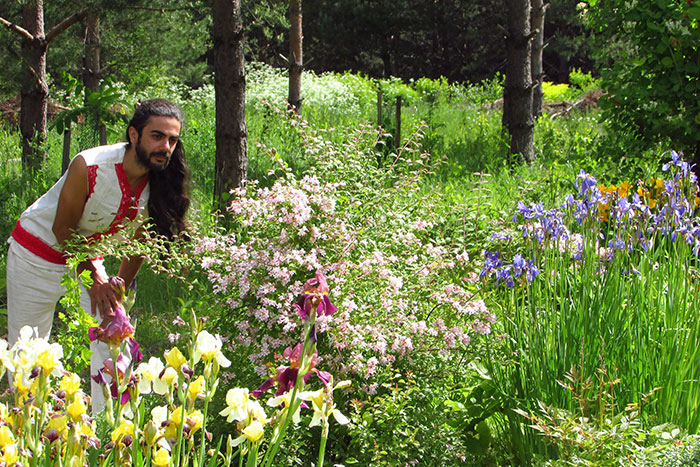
(399, 289)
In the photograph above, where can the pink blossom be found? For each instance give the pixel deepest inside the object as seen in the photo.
(118, 329)
(371, 367)
(421, 224)
(481, 327)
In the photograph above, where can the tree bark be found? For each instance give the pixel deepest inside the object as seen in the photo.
(517, 94)
(296, 62)
(537, 25)
(231, 165)
(91, 61)
(35, 89)
(91, 67)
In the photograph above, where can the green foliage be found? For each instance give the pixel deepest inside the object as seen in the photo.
(74, 336)
(266, 26)
(552, 92)
(590, 309)
(471, 408)
(102, 106)
(597, 433)
(137, 56)
(580, 83)
(394, 87)
(404, 424)
(651, 74)
(583, 81)
(19, 188)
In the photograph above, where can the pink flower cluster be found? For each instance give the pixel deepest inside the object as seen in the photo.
(398, 293)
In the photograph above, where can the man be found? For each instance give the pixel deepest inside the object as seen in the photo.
(142, 180)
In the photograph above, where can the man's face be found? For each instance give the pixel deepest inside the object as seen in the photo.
(156, 143)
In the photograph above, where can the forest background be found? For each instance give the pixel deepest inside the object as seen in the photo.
(442, 320)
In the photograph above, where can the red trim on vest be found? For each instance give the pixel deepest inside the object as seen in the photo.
(123, 180)
(37, 245)
(128, 206)
(92, 179)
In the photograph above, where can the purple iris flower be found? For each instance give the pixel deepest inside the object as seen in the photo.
(518, 264)
(118, 329)
(532, 271)
(134, 350)
(286, 376)
(624, 207)
(584, 182)
(491, 263)
(109, 370)
(315, 295)
(617, 244)
(568, 201)
(581, 212)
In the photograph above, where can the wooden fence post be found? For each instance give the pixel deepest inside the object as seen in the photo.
(397, 137)
(66, 148)
(102, 129)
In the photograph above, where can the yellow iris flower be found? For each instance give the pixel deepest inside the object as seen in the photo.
(174, 358)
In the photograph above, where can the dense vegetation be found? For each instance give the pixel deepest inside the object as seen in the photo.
(475, 300)
(488, 312)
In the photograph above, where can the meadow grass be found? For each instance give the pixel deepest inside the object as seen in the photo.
(608, 323)
(571, 320)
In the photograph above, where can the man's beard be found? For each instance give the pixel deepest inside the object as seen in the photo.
(145, 159)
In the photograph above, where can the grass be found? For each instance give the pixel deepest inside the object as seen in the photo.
(632, 327)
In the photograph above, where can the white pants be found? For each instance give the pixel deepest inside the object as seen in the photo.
(33, 289)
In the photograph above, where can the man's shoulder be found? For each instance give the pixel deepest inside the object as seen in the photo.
(112, 153)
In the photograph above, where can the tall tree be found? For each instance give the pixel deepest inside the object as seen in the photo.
(35, 89)
(517, 93)
(91, 61)
(537, 14)
(229, 83)
(296, 62)
(92, 72)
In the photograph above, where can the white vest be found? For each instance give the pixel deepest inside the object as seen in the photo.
(109, 204)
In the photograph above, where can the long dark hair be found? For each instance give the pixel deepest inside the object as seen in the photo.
(170, 188)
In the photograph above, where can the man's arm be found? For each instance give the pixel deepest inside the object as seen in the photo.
(71, 203)
(128, 269)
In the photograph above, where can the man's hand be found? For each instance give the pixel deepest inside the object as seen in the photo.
(104, 298)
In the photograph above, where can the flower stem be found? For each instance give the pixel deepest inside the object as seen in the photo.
(293, 405)
(203, 442)
(136, 444)
(178, 449)
(252, 460)
(322, 447)
(114, 352)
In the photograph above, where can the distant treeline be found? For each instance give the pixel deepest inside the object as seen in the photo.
(138, 40)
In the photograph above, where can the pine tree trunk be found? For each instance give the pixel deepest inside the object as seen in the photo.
(537, 26)
(517, 94)
(229, 82)
(296, 62)
(35, 90)
(91, 68)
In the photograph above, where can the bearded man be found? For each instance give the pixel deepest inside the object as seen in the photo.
(145, 180)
